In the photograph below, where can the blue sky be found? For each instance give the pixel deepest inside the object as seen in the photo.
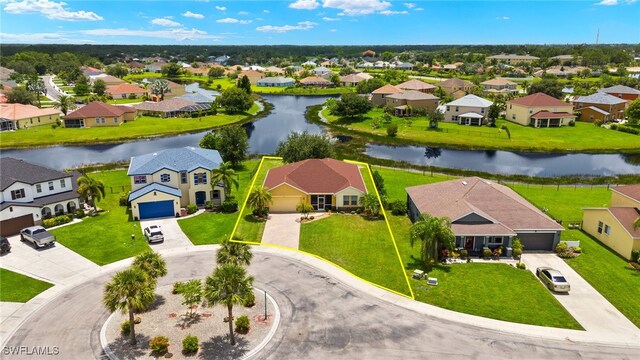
(318, 22)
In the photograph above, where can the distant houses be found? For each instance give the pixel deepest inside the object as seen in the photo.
(623, 92)
(512, 59)
(316, 81)
(252, 75)
(125, 90)
(455, 87)
(278, 81)
(499, 86)
(378, 96)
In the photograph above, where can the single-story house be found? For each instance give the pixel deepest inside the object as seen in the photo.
(623, 92)
(171, 108)
(252, 75)
(324, 183)
(539, 110)
(278, 81)
(417, 85)
(164, 181)
(499, 86)
(351, 79)
(378, 95)
(19, 116)
(467, 110)
(108, 79)
(315, 81)
(123, 91)
(485, 214)
(613, 226)
(274, 70)
(99, 114)
(404, 103)
(600, 106)
(175, 90)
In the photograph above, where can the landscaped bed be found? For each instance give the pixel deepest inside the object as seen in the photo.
(16, 287)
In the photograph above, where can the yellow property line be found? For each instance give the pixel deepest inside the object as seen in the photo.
(384, 214)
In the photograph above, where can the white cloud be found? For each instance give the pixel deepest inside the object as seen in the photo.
(410, 5)
(333, 30)
(503, 18)
(176, 34)
(50, 9)
(330, 19)
(221, 8)
(40, 38)
(303, 25)
(390, 12)
(165, 22)
(418, 9)
(304, 4)
(357, 7)
(233, 21)
(243, 13)
(193, 15)
(265, 11)
(607, 2)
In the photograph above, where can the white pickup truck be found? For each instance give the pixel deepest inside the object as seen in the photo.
(38, 236)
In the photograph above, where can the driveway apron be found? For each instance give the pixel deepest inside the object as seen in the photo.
(173, 235)
(282, 230)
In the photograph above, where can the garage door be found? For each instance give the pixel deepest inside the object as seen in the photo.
(13, 226)
(284, 204)
(156, 209)
(537, 241)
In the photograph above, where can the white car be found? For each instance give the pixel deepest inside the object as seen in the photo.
(154, 233)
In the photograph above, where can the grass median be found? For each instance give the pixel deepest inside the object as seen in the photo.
(20, 288)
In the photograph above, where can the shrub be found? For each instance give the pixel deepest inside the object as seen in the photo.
(190, 344)
(177, 287)
(132, 96)
(598, 122)
(159, 344)
(392, 130)
(398, 207)
(572, 123)
(54, 126)
(561, 248)
(635, 255)
(124, 200)
(517, 253)
(577, 250)
(613, 126)
(521, 265)
(125, 328)
(568, 254)
(192, 208)
(628, 130)
(486, 253)
(242, 324)
(250, 300)
(58, 220)
(311, 217)
(230, 205)
(208, 205)
(80, 214)
(464, 253)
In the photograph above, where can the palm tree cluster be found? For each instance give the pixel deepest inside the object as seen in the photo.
(92, 190)
(433, 233)
(227, 176)
(259, 200)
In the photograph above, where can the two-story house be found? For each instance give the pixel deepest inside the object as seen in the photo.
(455, 87)
(539, 110)
(499, 86)
(600, 106)
(468, 110)
(165, 181)
(31, 193)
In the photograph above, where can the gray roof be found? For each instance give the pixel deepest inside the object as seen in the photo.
(198, 98)
(620, 89)
(15, 170)
(471, 100)
(277, 80)
(155, 187)
(599, 98)
(322, 69)
(179, 159)
(413, 95)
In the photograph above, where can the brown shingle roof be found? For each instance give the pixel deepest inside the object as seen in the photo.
(414, 84)
(538, 99)
(99, 109)
(387, 89)
(498, 82)
(125, 88)
(316, 176)
(455, 82)
(413, 95)
(626, 216)
(632, 191)
(495, 202)
(314, 80)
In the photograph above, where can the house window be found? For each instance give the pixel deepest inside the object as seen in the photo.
(215, 194)
(165, 178)
(203, 177)
(17, 194)
(607, 229)
(350, 200)
(448, 108)
(62, 183)
(115, 120)
(600, 225)
(495, 240)
(140, 179)
(513, 116)
(183, 177)
(482, 111)
(50, 185)
(38, 188)
(196, 178)
(457, 108)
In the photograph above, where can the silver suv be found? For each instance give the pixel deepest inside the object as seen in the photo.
(154, 233)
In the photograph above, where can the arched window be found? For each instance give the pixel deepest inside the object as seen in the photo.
(45, 212)
(59, 209)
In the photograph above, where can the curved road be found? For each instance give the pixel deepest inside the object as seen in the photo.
(321, 319)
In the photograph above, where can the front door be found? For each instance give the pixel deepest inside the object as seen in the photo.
(321, 202)
(201, 197)
(468, 242)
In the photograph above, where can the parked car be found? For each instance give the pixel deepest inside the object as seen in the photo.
(5, 247)
(38, 236)
(153, 233)
(553, 279)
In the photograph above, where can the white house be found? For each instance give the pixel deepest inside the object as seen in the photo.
(31, 193)
(165, 181)
(468, 110)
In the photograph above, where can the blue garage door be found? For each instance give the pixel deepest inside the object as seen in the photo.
(156, 209)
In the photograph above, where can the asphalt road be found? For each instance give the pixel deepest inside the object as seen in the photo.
(52, 93)
(321, 319)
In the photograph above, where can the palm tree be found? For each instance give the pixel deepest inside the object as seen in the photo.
(129, 291)
(370, 204)
(226, 175)
(65, 103)
(433, 233)
(152, 264)
(37, 87)
(160, 87)
(259, 199)
(228, 285)
(234, 253)
(91, 189)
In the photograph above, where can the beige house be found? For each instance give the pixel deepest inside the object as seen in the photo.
(19, 116)
(613, 226)
(98, 114)
(468, 110)
(499, 86)
(455, 87)
(253, 76)
(417, 85)
(165, 181)
(539, 110)
(378, 95)
(404, 103)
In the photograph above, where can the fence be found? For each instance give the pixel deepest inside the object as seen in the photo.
(117, 189)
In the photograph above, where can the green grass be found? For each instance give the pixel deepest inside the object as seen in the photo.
(16, 287)
(106, 237)
(141, 127)
(397, 180)
(302, 90)
(361, 246)
(213, 227)
(582, 137)
(124, 101)
(250, 229)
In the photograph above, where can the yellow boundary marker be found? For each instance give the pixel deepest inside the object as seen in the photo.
(393, 240)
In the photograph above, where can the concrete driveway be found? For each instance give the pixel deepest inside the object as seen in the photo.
(173, 235)
(282, 230)
(583, 302)
(56, 264)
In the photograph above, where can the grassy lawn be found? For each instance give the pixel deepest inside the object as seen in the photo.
(212, 228)
(582, 137)
(141, 127)
(106, 238)
(250, 229)
(124, 101)
(365, 249)
(16, 287)
(302, 90)
(397, 180)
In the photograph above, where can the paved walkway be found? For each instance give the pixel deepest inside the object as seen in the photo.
(282, 230)
(583, 302)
